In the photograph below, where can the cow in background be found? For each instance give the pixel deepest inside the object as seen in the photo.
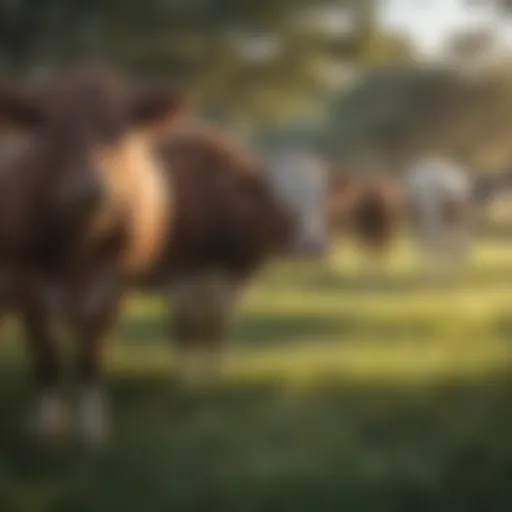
(369, 209)
(439, 194)
(377, 211)
(301, 182)
(435, 197)
(321, 195)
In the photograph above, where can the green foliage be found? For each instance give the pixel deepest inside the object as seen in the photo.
(203, 45)
(395, 111)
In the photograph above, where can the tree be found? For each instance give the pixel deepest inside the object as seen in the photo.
(268, 61)
(397, 111)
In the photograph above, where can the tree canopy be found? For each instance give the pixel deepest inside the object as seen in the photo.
(267, 60)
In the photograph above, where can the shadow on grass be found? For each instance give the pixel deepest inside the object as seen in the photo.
(385, 284)
(252, 330)
(282, 330)
(264, 446)
(248, 330)
(150, 329)
(502, 326)
(324, 279)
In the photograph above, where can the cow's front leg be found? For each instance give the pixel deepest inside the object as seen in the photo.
(203, 309)
(49, 420)
(95, 314)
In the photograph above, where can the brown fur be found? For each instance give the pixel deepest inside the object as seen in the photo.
(90, 125)
(209, 213)
(371, 209)
(82, 133)
(226, 226)
(225, 215)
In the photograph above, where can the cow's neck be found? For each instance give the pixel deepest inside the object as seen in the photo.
(135, 180)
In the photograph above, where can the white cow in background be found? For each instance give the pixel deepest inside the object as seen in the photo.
(440, 192)
(300, 180)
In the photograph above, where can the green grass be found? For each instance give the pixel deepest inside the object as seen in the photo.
(337, 396)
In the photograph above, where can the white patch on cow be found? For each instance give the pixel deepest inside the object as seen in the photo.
(299, 181)
(138, 187)
(50, 419)
(92, 417)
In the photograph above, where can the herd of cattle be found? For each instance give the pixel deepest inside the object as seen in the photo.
(105, 186)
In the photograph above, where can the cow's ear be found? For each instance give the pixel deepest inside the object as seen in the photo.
(157, 107)
(18, 110)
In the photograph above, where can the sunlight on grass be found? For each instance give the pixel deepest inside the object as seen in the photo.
(306, 321)
(337, 394)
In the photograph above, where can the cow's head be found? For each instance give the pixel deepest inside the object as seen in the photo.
(81, 125)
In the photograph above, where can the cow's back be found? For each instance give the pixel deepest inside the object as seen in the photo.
(223, 215)
(376, 212)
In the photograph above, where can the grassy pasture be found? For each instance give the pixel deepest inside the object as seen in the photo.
(337, 395)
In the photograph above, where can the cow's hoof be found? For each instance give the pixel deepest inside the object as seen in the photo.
(49, 422)
(93, 423)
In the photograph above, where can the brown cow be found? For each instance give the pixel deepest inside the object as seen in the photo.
(369, 208)
(226, 224)
(192, 214)
(72, 215)
(376, 213)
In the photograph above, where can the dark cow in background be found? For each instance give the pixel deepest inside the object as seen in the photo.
(370, 209)
(117, 200)
(376, 214)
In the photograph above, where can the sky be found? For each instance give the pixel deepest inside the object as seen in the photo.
(430, 22)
